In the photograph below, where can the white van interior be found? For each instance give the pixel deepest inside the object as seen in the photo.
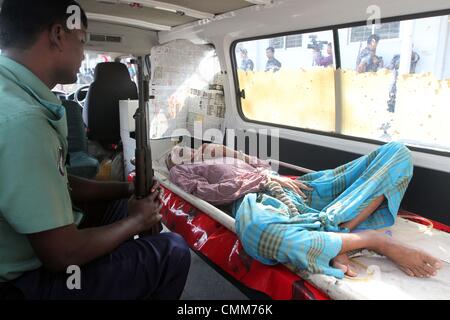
(317, 111)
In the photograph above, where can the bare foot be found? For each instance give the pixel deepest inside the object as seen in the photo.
(414, 262)
(344, 263)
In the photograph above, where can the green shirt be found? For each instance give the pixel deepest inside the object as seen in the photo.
(34, 194)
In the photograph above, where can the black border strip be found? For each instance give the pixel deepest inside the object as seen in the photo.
(335, 30)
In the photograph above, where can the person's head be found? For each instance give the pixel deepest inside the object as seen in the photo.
(372, 41)
(270, 52)
(54, 31)
(244, 54)
(329, 48)
(179, 155)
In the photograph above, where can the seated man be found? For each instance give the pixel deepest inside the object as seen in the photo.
(362, 195)
(41, 233)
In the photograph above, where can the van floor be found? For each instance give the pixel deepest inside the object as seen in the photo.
(205, 283)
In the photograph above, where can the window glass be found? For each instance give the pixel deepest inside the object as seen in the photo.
(291, 86)
(385, 31)
(86, 73)
(393, 83)
(294, 41)
(398, 89)
(277, 43)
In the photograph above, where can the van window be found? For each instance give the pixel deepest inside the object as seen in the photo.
(86, 73)
(290, 85)
(398, 88)
(393, 82)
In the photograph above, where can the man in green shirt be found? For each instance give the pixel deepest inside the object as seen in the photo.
(40, 234)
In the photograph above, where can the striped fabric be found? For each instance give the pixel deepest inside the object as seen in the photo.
(308, 240)
(274, 189)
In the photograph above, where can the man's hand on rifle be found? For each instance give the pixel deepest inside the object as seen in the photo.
(146, 210)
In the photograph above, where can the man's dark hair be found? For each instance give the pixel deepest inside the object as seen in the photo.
(271, 49)
(373, 37)
(21, 21)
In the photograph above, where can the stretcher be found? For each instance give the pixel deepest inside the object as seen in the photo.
(211, 232)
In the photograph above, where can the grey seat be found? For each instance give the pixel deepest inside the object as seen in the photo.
(112, 83)
(81, 163)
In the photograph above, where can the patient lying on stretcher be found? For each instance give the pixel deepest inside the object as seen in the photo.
(312, 222)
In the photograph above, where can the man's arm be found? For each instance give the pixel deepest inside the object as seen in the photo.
(84, 190)
(252, 65)
(362, 66)
(65, 246)
(278, 63)
(365, 59)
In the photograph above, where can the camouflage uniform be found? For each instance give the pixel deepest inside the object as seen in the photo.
(372, 62)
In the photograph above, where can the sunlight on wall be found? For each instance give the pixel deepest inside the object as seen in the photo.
(298, 98)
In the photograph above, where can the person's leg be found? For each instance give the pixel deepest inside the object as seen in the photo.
(363, 194)
(409, 266)
(93, 214)
(103, 213)
(300, 241)
(175, 266)
(342, 261)
(413, 262)
(343, 193)
(364, 214)
(152, 267)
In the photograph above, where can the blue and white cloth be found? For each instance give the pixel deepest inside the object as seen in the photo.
(309, 240)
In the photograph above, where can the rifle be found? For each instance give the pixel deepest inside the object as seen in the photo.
(143, 155)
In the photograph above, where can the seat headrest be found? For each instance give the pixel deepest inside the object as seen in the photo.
(111, 71)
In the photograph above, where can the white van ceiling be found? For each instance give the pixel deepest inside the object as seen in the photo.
(159, 15)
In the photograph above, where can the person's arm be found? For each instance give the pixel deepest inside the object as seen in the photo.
(294, 185)
(380, 62)
(362, 66)
(84, 190)
(363, 59)
(326, 61)
(317, 56)
(278, 64)
(66, 246)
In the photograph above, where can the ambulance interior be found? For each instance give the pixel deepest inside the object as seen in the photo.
(308, 115)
